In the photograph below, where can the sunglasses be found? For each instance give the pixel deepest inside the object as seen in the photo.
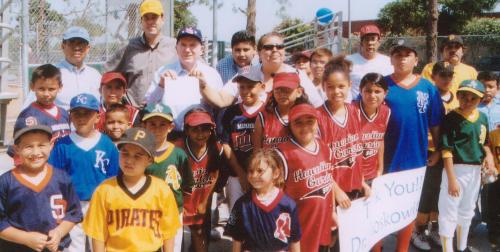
(270, 47)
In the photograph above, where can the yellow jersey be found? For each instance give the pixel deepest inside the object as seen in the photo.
(495, 146)
(132, 222)
(461, 72)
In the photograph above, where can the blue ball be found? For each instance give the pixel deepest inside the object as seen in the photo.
(324, 16)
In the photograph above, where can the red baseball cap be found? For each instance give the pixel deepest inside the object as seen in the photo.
(289, 80)
(110, 76)
(301, 110)
(198, 118)
(369, 29)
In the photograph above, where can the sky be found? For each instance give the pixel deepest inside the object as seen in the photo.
(230, 21)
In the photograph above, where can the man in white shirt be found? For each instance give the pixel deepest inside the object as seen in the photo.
(76, 76)
(368, 60)
(185, 70)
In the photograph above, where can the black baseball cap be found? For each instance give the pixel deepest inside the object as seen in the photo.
(453, 39)
(20, 131)
(190, 31)
(139, 137)
(400, 45)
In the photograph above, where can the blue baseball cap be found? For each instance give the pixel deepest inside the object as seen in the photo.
(190, 31)
(76, 32)
(84, 100)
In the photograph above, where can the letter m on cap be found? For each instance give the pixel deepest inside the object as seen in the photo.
(140, 134)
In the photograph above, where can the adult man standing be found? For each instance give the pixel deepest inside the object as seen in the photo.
(181, 72)
(145, 54)
(368, 60)
(243, 55)
(76, 76)
(452, 52)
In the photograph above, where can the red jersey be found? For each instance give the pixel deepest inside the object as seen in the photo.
(372, 137)
(204, 181)
(274, 128)
(345, 142)
(132, 111)
(308, 181)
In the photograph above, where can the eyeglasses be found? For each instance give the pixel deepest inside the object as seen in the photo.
(270, 47)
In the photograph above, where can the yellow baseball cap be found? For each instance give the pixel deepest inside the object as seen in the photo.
(151, 6)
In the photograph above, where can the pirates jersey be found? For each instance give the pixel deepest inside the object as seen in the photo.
(274, 128)
(127, 221)
(345, 141)
(372, 137)
(308, 181)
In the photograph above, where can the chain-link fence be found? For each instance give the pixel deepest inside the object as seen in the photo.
(110, 24)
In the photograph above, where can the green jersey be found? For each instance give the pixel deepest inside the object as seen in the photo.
(173, 167)
(465, 137)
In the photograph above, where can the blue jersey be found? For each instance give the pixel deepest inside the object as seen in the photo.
(414, 110)
(87, 163)
(492, 111)
(264, 228)
(37, 208)
(34, 114)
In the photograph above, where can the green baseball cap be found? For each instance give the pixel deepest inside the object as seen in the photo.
(474, 86)
(158, 109)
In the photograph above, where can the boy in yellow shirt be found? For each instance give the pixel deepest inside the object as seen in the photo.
(133, 211)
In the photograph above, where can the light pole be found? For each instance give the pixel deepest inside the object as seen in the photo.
(349, 24)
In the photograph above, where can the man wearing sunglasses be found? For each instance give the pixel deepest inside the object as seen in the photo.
(77, 77)
(452, 52)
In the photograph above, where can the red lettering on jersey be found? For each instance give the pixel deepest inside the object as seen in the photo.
(283, 227)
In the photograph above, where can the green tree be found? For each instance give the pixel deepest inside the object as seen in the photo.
(290, 27)
(409, 17)
(182, 14)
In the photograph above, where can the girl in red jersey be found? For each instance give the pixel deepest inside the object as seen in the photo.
(271, 128)
(374, 116)
(206, 159)
(339, 125)
(308, 177)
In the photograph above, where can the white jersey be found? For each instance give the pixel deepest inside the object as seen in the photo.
(361, 66)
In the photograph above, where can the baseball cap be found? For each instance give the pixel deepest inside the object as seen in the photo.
(76, 32)
(84, 100)
(473, 86)
(298, 55)
(198, 118)
(301, 110)
(158, 109)
(151, 6)
(289, 80)
(369, 29)
(443, 68)
(401, 45)
(139, 137)
(190, 31)
(453, 39)
(253, 74)
(23, 130)
(110, 76)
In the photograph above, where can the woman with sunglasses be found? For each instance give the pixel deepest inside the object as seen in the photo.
(271, 50)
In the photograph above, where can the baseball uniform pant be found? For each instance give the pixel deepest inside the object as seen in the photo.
(233, 191)
(79, 241)
(458, 211)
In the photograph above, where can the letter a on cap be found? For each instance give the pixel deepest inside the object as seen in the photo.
(139, 134)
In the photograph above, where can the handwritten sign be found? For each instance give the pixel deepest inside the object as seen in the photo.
(392, 206)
